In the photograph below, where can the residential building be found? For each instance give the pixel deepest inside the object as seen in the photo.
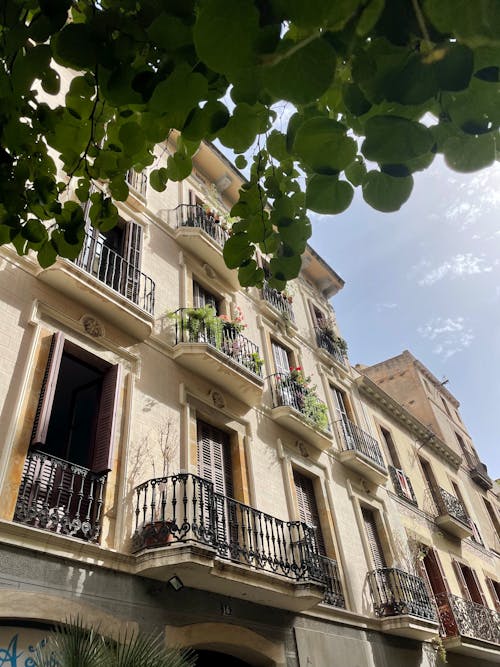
(183, 454)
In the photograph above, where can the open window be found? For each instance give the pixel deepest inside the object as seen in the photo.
(71, 446)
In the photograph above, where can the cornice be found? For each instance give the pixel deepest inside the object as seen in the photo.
(409, 421)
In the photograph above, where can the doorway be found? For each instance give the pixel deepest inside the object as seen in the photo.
(214, 658)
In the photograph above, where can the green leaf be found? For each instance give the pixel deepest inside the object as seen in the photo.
(34, 231)
(244, 126)
(476, 23)
(301, 74)
(51, 82)
(469, 153)
(326, 194)
(455, 69)
(249, 273)
(225, 34)
(285, 268)
(74, 46)
(324, 146)
(393, 140)
(369, 17)
(354, 100)
(240, 161)
(179, 94)
(179, 166)
(158, 179)
(237, 250)
(47, 255)
(384, 192)
(119, 188)
(132, 138)
(355, 172)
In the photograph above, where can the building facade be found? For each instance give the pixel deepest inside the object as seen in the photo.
(183, 454)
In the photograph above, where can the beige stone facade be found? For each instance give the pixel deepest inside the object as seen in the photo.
(139, 444)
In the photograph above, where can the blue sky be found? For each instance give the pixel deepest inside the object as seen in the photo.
(427, 279)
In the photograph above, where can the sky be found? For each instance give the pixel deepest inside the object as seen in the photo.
(427, 279)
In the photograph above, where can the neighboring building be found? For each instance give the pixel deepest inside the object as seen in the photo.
(164, 465)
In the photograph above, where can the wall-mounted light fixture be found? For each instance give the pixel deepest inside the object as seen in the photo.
(175, 582)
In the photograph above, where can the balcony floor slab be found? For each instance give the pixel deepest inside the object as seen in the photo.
(206, 249)
(362, 465)
(453, 526)
(409, 626)
(475, 648)
(294, 421)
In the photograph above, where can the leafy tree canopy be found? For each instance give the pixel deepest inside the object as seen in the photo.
(357, 77)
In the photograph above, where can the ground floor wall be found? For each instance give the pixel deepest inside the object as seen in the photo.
(38, 589)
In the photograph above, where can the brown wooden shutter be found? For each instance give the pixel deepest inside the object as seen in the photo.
(480, 599)
(469, 583)
(47, 392)
(494, 588)
(214, 458)
(373, 538)
(461, 580)
(105, 431)
(308, 509)
(435, 573)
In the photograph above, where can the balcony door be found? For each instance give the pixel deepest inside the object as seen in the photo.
(308, 508)
(214, 465)
(342, 417)
(469, 583)
(373, 537)
(437, 582)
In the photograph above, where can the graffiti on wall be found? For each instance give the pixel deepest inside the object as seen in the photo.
(18, 647)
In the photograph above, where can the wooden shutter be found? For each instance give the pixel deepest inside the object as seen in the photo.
(202, 297)
(494, 588)
(47, 392)
(435, 574)
(105, 431)
(391, 447)
(373, 538)
(280, 356)
(214, 458)
(469, 583)
(308, 509)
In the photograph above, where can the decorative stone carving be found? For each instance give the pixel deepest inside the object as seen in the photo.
(218, 399)
(92, 327)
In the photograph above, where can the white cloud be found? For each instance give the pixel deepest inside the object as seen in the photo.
(475, 197)
(460, 265)
(449, 335)
(385, 306)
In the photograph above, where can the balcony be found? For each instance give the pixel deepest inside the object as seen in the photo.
(218, 544)
(203, 235)
(61, 497)
(108, 285)
(298, 408)
(218, 352)
(334, 594)
(402, 485)
(469, 628)
(138, 184)
(327, 343)
(360, 452)
(402, 603)
(452, 515)
(479, 475)
(275, 303)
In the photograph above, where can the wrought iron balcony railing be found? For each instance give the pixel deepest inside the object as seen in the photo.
(223, 336)
(194, 215)
(114, 271)
(285, 390)
(479, 474)
(185, 508)
(464, 618)
(278, 301)
(353, 437)
(402, 485)
(326, 342)
(449, 504)
(334, 594)
(396, 593)
(60, 496)
(138, 181)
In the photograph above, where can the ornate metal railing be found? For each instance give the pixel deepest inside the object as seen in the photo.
(285, 390)
(60, 496)
(334, 594)
(278, 301)
(402, 485)
(459, 617)
(479, 474)
(138, 181)
(396, 592)
(185, 507)
(194, 215)
(225, 337)
(449, 504)
(114, 271)
(326, 342)
(353, 437)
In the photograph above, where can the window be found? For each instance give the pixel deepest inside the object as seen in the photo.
(391, 447)
(447, 409)
(114, 257)
(494, 587)
(493, 515)
(202, 297)
(465, 450)
(71, 443)
(282, 358)
(431, 482)
(308, 508)
(469, 583)
(374, 542)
